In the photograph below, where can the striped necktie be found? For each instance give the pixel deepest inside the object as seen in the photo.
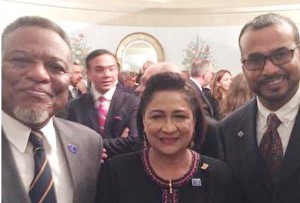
(42, 187)
(271, 146)
(102, 113)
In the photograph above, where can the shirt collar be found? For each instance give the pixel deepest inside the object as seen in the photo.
(18, 134)
(287, 113)
(108, 95)
(196, 82)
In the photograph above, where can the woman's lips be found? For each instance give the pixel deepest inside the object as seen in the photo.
(168, 140)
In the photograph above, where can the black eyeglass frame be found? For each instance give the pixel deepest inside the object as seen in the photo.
(270, 57)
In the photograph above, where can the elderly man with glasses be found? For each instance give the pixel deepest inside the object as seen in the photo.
(262, 139)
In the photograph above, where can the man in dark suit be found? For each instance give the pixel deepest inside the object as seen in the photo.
(37, 149)
(261, 139)
(201, 75)
(77, 86)
(120, 106)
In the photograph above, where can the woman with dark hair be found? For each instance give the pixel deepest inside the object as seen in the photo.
(167, 170)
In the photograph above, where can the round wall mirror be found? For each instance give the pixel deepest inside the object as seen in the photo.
(137, 48)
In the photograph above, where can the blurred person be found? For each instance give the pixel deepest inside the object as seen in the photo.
(201, 75)
(170, 119)
(144, 67)
(125, 79)
(185, 74)
(238, 94)
(77, 86)
(219, 88)
(107, 108)
(261, 139)
(44, 159)
(154, 69)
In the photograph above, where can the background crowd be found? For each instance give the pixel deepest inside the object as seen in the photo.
(160, 135)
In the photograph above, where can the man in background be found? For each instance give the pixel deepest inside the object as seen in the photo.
(77, 86)
(44, 159)
(107, 108)
(201, 75)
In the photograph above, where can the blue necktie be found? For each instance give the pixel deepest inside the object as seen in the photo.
(42, 187)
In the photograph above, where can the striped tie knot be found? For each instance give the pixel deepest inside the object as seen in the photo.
(42, 186)
(37, 140)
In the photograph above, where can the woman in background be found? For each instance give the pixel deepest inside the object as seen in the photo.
(237, 95)
(219, 88)
(171, 121)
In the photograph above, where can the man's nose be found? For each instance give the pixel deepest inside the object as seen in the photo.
(38, 72)
(270, 68)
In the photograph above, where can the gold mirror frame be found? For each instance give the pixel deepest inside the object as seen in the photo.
(139, 36)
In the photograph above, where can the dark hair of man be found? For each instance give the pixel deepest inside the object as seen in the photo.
(269, 19)
(95, 53)
(35, 21)
(199, 66)
(173, 82)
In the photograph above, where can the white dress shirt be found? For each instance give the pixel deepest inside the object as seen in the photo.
(286, 114)
(196, 82)
(17, 135)
(108, 96)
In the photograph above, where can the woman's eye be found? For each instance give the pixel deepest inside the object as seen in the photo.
(180, 116)
(156, 117)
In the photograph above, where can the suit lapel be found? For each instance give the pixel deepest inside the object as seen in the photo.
(203, 97)
(115, 106)
(72, 158)
(291, 160)
(12, 186)
(91, 111)
(251, 159)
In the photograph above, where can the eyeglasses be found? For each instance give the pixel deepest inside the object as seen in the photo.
(277, 57)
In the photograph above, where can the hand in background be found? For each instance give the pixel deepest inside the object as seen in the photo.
(125, 133)
(82, 86)
(104, 155)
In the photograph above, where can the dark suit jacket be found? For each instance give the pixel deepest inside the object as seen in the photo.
(121, 114)
(124, 179)
(238, 133)
(206, 105)
(63, 112)
(83, 166)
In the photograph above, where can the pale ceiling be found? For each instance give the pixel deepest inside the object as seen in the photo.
(151, 12)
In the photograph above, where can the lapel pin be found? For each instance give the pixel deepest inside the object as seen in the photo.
(72, 148)
(196, 182)
(240, 134)
(204, 166)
